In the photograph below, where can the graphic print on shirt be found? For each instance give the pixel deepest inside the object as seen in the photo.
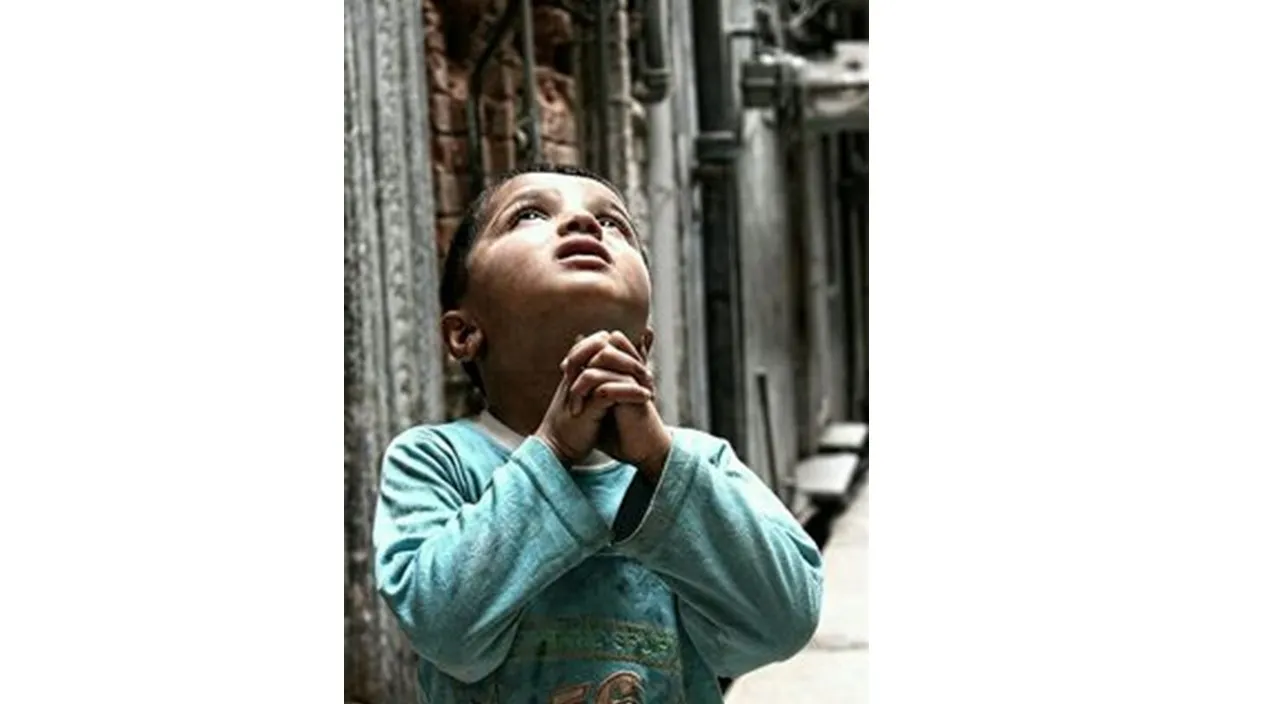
(619, 688)
(568, 650)
(572, 694)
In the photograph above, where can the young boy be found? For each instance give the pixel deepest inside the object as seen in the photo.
(565, 546)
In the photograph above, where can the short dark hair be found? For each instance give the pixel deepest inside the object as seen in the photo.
(453, 283)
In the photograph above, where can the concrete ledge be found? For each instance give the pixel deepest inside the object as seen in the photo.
(844, 437)
(828, 478)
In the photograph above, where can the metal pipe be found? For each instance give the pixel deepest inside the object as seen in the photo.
(603, 159)
(715, 90)
(476, 83)
(856, 202)
(695, 398)
(776, 482)
(717, 155)
(664, 226)
(532, 121)
(654, 73)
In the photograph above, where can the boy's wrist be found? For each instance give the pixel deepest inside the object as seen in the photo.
(555, 448)
(651, 467)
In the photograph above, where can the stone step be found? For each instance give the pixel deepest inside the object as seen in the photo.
(844, 437)
(828, 478)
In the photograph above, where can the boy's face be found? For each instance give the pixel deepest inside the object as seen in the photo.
(557, 244)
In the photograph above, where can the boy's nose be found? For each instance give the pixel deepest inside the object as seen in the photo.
(580, 223)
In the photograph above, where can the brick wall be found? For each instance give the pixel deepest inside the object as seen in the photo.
(455, 34)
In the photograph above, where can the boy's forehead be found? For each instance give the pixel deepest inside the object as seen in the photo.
(567, 186)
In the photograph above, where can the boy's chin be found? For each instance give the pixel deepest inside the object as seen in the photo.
(604, 286)
(593, 301)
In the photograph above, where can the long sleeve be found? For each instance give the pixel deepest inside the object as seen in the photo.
(747, 578)
(457, 574)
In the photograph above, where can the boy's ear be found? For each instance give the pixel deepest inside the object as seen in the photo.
(461, 335)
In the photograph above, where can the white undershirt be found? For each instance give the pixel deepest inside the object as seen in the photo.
(510, 439)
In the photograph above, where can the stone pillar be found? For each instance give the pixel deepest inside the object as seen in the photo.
(392, 371)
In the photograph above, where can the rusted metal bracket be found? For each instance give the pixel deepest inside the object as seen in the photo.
(475, 149)
(531, 120)
(528, 121)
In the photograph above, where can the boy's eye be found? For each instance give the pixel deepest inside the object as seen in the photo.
(529, 214)
(608, 221)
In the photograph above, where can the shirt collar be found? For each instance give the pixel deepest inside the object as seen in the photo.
(510, 439)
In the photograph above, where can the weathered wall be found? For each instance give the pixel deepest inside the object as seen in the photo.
(819, 393)
(770, 260)
(771, 319)
(391, 372)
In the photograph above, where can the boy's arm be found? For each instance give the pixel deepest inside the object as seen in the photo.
(748, 579)
(457, 575)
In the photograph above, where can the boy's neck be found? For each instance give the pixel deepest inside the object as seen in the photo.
(521, 381)
(523, 407)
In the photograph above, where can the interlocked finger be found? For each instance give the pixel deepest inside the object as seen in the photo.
(613, 359)
(612, 393)
(583, 350)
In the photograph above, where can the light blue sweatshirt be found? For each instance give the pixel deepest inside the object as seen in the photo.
(519, 581)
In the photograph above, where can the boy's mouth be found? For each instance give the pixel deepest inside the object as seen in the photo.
(583, 250)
